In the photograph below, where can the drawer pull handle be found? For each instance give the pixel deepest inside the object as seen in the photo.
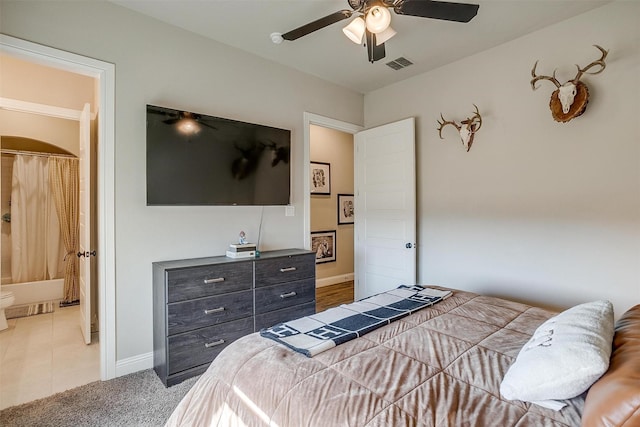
(214, 310)
(213, 344)
(286, 269)
(289, 295)
(216, 280)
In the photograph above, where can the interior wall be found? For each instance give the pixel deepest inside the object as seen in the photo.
(6, 170)
(30, 82)
(336, 148)
(163, 65)
(59, 88)
(539, 211)
(62, 133)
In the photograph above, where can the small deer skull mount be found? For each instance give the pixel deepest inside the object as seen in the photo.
(571, 98)
(466, 129)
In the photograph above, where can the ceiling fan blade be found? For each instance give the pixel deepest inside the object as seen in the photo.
(449, 11)
(374, 52)
(317, 24)
(158, 110)
(202, 122)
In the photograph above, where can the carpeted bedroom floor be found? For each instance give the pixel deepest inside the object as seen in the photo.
(139, 399)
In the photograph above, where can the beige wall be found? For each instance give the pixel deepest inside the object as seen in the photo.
(336, 148)
(163, 65)
(62, 133)
(46, 85)
(537, 210)
(26, 81)
(6, 166)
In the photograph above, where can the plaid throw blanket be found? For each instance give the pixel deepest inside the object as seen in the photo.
(314, 334)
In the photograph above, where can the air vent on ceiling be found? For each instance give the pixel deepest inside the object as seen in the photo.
(399, 63)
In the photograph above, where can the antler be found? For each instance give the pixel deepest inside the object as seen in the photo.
(552, 79)
(599, 62)
(475, 119)
(443, 123)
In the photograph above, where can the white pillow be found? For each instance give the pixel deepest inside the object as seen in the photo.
(565, 355)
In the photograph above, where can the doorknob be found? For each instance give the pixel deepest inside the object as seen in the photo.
(408, 246)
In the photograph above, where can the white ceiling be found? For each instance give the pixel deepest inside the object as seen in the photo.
(328, 54)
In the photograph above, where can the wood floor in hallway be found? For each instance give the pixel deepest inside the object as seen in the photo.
(334, 295)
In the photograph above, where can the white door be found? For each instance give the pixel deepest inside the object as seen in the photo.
(84, 224)
(385, 206)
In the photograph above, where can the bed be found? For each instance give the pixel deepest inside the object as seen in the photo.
(440, 366)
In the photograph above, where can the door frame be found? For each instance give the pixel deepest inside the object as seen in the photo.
(315, 119)
(104, 72)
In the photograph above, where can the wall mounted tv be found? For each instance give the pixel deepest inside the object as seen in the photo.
(194, 159)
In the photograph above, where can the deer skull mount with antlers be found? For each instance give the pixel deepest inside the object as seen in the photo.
(466, 129)
(570, 99)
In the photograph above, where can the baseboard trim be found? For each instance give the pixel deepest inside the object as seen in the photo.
(328, 281)
(134, 364)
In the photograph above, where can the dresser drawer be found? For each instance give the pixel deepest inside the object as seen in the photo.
(285, 269)
(202, 281)
(266, 320)
(203, 345)
(188, 315)
(283, 295)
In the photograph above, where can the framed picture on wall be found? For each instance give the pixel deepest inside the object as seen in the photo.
(323, 243)
(320, 178)
(346, 213)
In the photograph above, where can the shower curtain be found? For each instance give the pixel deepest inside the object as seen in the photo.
(64, 176)
(44, 221)
(36, 246)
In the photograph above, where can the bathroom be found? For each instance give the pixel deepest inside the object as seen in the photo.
(40, 110)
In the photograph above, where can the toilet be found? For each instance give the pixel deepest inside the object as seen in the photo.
(6, 301)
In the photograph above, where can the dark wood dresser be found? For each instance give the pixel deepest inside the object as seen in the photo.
(202, 305)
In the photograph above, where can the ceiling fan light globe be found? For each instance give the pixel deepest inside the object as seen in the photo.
(385, 35)
(188, 126)
(378, 19)
(355, 30)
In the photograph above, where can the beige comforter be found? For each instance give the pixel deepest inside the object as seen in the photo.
(441, 366)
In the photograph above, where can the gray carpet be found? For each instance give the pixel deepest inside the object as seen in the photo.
(138, 400)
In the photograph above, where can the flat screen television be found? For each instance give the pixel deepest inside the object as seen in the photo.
(195, 159)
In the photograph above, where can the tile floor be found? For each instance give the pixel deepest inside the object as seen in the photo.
(45, 354)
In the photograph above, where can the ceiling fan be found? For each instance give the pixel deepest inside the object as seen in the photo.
(373, 20)
(186, 122)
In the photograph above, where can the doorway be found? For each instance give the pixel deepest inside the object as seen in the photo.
(334, 284)
(332, 214)
(383, 152)
(104, 73)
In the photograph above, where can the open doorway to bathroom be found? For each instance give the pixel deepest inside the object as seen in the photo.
(43, 350)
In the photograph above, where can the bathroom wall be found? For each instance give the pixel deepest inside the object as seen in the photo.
(6, 167)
